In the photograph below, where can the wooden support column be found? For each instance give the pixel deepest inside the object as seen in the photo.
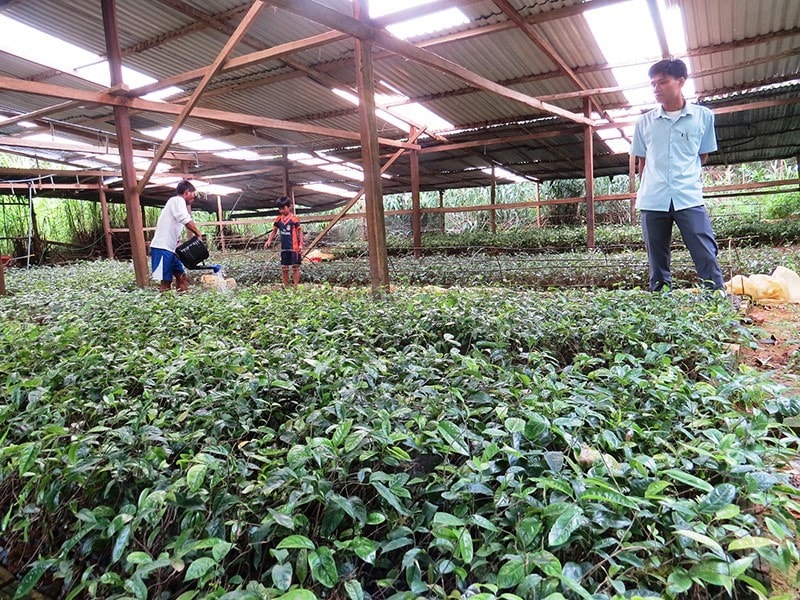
(2, 278)
(287, 186)
(588, 167)
(370, 155)
(221, 227)
(106, 219)
(632, 186)
(351, 203)
(493, 201)
(441, 205)
(416, 225)
(123, 126)
(538, 207)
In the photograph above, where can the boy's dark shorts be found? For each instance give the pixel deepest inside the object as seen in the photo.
(290, 257)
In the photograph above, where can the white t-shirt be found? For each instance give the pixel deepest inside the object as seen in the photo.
(170, 224)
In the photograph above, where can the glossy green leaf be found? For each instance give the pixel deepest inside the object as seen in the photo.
(195, 476)
(447, 520)
(717, 499)
(511, 574)
(454, 436)
(323, 567)
(296, 541)
(750, 542)
(689, 479)
(568, 522)
(702, 539)
(282, 576)
(354, 589)
(200, 567)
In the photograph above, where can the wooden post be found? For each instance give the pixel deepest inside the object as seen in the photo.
(632, 186)
(287, 190)
(370, 159)
(492, 201)
(416, 225)
(2, 278)
(221, 228)
(538, 207)
(106, 219)
(588, 166)
(124, 136)
(441, 205)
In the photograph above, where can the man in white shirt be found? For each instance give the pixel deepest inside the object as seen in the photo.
(175, 216)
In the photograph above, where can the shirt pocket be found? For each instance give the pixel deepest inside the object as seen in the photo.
(689, 140)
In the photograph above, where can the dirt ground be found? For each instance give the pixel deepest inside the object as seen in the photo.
(777, 331)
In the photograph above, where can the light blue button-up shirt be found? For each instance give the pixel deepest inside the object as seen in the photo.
(672, 149)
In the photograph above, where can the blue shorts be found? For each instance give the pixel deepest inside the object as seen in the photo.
(165, 264)
(290, 257)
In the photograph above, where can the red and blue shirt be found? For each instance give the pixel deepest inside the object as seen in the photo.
(290, 233)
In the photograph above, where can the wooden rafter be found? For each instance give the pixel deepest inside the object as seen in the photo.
(212, 70)
(47, 89)
(658, 24)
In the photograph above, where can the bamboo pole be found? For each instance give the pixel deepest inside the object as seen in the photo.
(106, 219)
(588, 165)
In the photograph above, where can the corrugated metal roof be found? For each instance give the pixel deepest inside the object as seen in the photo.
(733, 46)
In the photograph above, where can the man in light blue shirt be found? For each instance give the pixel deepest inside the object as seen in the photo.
(671, 143)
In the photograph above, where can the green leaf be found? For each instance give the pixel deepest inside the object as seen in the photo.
(511, 574)
(528, 530)
(453, 435)
(121, 543)
(200, 567)
(353, 589)
(689, 480)
(32, 577)
(483, 523)
(296, 541)
(447, 520)
(341, 432)
(465, 547)
(514, 425)
(282, 576)
(281, 519)
(390, 497)
(220, 550)
(678, 582)
(728, 512)
(365, 549)
(139, 558)
(195, 476)
(720, 497)
(715, 572)
(609, 497)
(27, 457)
(375, 518)
(750, 542)
(298, 594)
(570, 520)
(654, 490)
(702, 539)
(323, 567)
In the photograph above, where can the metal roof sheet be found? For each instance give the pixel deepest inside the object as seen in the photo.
(733, 46)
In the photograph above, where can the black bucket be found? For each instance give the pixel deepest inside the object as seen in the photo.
(192, 252)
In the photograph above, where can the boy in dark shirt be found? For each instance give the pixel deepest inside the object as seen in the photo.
(288, 225)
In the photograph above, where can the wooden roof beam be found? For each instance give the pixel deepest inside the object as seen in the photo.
(211, 71)
(341, 22)
(57, 91)
(658, 24)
